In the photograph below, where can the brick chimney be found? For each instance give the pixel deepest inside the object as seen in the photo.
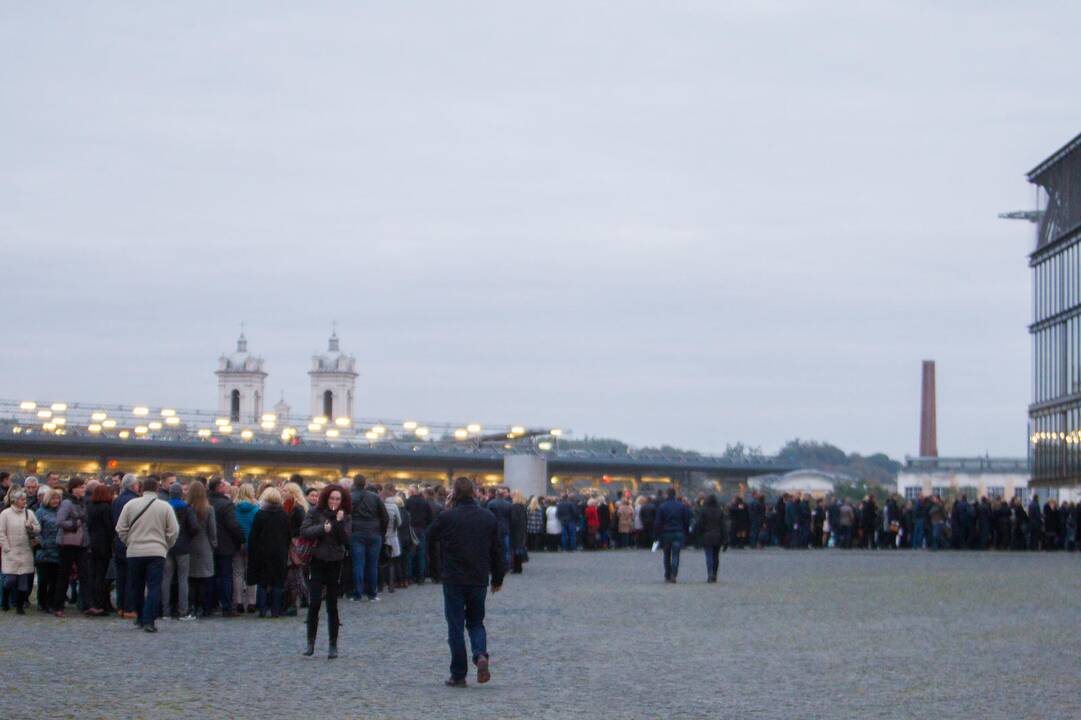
(928, 425)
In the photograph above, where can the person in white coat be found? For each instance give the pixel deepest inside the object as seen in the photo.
(19, 529)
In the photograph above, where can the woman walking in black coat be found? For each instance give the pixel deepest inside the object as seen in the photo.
(711, 534)
(268, 553)
(328, 526)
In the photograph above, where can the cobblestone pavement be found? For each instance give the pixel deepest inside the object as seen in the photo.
(782, 635)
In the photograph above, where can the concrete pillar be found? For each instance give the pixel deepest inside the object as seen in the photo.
(526, 473)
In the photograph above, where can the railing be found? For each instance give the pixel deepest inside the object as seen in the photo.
(967, 464)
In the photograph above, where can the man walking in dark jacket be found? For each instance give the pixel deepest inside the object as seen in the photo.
(670, 529)
(230, 538)
(468, 538)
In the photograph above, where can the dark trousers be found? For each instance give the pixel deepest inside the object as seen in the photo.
(269, 598)
(418, 561)
(46, 580)
(463, 606)
(672, 544)
(223, 581)
(99, 582)
(144, 577)
(121, 562)
(80, 558)
(324, 576)
(713, 553)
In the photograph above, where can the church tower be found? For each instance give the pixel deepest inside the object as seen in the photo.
(241, 385)
(334, 381)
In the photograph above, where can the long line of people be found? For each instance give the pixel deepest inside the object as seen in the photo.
(240, 549)
(591, 521)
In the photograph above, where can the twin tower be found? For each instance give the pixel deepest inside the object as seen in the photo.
(242, 385)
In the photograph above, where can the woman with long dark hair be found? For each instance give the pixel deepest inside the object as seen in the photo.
(328, 527)
(201, 556)
(99, 523)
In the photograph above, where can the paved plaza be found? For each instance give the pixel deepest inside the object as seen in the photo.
(783, 635)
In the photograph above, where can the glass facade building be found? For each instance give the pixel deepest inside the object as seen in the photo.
(1055, 412)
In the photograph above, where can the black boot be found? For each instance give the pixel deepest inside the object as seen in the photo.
(332, 651)
(312, 629)
(20, 599)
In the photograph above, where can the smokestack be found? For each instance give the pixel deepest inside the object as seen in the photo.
(928, 425)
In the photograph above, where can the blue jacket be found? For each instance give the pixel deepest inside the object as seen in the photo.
(672, 517)
(245, 516)
(49, 552)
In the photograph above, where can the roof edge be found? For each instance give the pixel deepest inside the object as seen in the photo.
(1054, 158)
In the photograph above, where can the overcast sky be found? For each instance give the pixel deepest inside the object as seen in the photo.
(694, 223)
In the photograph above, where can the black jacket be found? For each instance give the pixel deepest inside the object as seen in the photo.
(711, 530)
(330, 546)
(230, 536)
(518, 521)
(501, 509)
(470, 551)
(99, 523)
(420, 512)
(189, 528)
(268, 547)
(369, 513)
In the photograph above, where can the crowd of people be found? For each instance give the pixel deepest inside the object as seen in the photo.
(240, 548)
(189, 550)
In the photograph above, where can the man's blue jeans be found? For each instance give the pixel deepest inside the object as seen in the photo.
(463, 606)
(145, 577)
(268, 598)
(366, 548)
(418, 559)
(570, 537)
(223, 581)
(672, 544)
(936, 536)
(917, 535)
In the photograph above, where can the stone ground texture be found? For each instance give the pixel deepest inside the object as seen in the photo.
(782, 635)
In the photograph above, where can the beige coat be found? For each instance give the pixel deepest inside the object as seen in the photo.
(625, 513)
(16, 557)
(154, 532)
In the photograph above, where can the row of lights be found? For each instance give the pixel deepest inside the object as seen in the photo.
(1070, 438)
(100, 421)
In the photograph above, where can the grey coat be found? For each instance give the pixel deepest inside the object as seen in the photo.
(201, 559)
(71, 517)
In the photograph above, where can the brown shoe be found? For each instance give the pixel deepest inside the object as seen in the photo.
(483, 673)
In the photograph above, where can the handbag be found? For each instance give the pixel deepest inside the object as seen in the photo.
(300, 551)
(32, 537)
(72, 538)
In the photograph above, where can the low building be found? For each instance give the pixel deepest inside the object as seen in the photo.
(973, 476)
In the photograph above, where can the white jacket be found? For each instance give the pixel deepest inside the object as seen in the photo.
(16, 557)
